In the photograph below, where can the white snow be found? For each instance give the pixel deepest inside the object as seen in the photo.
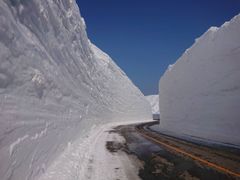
(54, 86)
(200, 94)
(88, 159)
(154, 102)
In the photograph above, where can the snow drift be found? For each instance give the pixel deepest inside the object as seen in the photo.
(54, 85)
(154, 102)
(200, 93)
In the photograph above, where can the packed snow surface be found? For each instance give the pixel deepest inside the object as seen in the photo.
(90, 160)
(200, 93)
(55, 85)
(154, 102)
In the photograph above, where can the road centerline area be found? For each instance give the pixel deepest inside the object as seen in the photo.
(165, 142)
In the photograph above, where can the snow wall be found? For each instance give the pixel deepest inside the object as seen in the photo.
(54, 85)
(200, 93)
(154, 103)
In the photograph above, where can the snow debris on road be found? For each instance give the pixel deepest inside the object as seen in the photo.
(89, 159)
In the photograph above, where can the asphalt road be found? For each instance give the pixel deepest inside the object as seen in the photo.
(166, 157)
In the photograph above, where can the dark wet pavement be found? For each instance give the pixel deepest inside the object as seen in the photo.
(162, 164)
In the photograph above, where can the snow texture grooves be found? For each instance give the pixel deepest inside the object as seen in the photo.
(54, 85)
(200, 93)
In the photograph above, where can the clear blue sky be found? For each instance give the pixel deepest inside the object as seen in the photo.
(145, 36)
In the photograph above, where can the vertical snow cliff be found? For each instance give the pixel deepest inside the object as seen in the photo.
(154, 103)
(54, 85)
(200, 93)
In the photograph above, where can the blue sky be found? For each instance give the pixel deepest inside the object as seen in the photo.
(145, 36)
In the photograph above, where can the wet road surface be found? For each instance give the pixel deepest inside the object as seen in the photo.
(158, 162)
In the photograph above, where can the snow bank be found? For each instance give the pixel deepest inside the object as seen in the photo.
(200, 93)
(89, 159)
(54, 85)
(154, 102)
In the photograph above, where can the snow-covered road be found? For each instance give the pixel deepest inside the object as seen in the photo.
(88, 158)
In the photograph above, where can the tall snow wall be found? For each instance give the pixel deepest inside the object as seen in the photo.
(200, 93)
(154, 103)
(54, 85)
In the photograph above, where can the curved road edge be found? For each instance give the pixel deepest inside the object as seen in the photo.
(221, 160)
